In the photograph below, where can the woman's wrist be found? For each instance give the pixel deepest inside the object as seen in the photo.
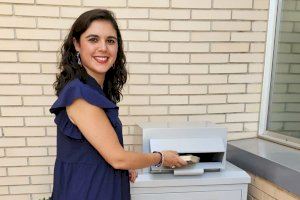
(161, 159)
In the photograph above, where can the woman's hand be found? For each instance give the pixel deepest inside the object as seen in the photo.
(133, 174)
(171, 159)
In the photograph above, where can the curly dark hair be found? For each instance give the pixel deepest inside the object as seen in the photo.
(69, 68)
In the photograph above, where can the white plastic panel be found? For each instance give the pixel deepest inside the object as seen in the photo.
(209, 195)
(188, 145)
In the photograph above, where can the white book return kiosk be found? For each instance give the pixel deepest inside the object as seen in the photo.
(213, 178)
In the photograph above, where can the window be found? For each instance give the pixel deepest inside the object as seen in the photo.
(280, 108)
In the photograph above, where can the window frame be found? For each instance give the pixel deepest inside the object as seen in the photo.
(271, 46)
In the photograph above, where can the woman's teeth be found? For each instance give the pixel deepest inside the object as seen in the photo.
(101, 58)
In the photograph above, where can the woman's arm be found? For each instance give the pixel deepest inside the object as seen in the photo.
(97, 129)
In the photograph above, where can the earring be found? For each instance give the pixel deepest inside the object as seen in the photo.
(78, 58)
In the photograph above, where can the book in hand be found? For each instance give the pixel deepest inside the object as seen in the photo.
(190, 159)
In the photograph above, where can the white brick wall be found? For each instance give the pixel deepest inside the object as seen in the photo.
(188, 61)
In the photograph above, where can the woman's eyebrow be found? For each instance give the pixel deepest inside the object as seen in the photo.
(94, 35)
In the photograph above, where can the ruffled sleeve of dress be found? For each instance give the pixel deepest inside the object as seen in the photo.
(72, 91)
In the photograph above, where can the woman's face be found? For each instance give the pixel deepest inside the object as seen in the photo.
(98, 48)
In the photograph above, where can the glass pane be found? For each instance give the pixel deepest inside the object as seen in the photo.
(284, 106)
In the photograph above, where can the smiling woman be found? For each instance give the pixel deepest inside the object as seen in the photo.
(91, 162)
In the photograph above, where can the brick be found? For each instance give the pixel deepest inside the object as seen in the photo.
(148, 24)
(30, 151)
(169, 79)
(6, 33)
(4, 190)
(5, 162)
(9, 45)
(245, 78)
(29, 10)
(54, 23)
(41, 141)
(49, 68)
(9, 79)
(165, 100)
(259, 26)
(285, 98)
(52, 151)
(188, 89)
(134, 100)
(52, 131)
(188, 69)
(233, 126)
(251, 126)
(135, 35)
(211, 14)
(286, 48)
(226, 88)
(116, 3)
(248, 36)
(169, 36)
(148, 3)
(20, 90)
(207, 99)
(168, 118)
(227, 108)
(217, 118)
(38, 34)
(39, 121)
(229, 47)
(169, 58)
(208, 79)
(22, 111)
(228, 68)
(190, 25)
(19, 68)
(261, 4)
(24, 131)
(15, 197)
(295, 68)
(50, 45)
(128, 13)
(210, 36)
(148, 110)
(169, 14)
(11, 121)
(8, 57)
(247, 57)
(289, 37)
(14, 180)
(253, 107)
(13, 21)
(5, 9)
(232, 4)
(133, 120)
(3, 172)
(137, 57)
(187, 109)
(149, 46)
(257, 47)
(231, 26)
(38, 79)
(48, 90)
(243, 98)
(189, 47)
(254, 88)
(45, 57)
(209, 58)
(29, 189)
(43, 179)
(9, 101)
(2, 154)
(148, 68)
(45, 160)
(288, 78)
(148, 89)
(59, 2)
(288, 58)
(138, 79)
(241, 117)
(250, 14)
(191, 4)
(72, 12)
(18, 1)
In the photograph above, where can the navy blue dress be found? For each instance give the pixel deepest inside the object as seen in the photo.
(80, 172)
